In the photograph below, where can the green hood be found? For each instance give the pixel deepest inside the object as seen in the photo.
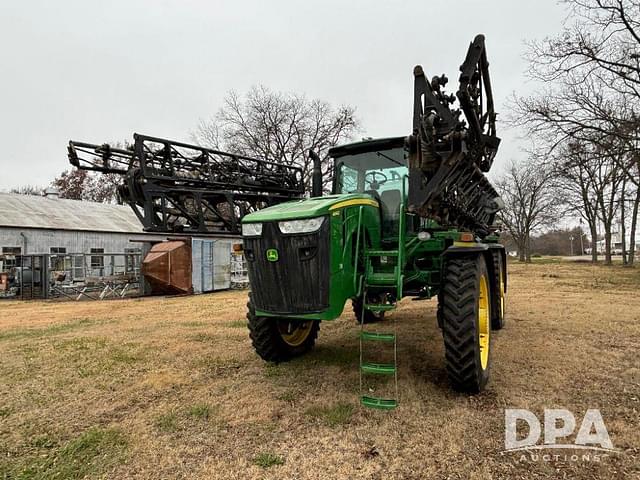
(308, 208)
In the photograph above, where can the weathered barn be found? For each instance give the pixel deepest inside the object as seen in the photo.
(48, 224)
(95, 239)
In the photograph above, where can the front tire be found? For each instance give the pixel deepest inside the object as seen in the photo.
(466, 322)
(280, 339)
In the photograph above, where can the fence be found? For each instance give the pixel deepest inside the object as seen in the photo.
(239, 272)
(74, 275)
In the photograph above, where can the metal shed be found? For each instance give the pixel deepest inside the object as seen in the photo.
(211, 263)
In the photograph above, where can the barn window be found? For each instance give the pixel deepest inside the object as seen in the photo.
(132, 263)
(57, 258)
(9, 256)
(97, 261)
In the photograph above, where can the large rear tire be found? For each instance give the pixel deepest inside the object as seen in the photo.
(466, 322)
(498, 296)
(280, 339)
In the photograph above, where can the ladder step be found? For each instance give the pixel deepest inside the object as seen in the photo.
(380, 403)
(379, 337)
(379, 368)
(379, 307)
(382, 278)
(381, 253)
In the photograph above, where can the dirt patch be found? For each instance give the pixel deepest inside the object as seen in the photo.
(171, 388)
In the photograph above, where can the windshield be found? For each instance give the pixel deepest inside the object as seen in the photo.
(380, 174)
(372, 172)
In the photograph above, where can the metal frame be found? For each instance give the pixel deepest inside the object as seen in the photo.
(448, 155)
(175, 187)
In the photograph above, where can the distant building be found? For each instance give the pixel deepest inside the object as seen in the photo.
(48, 224)
(89, 239)
(616, 244)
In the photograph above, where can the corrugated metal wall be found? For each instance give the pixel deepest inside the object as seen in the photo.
(211, 263)
(40, 241)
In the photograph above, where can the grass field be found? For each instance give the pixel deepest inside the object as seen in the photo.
(171, 388)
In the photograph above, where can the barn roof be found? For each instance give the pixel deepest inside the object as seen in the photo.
(52, 212)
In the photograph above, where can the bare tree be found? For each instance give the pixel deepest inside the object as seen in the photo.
(103, 188)
(27, 190)
(609, 175)
(71, 183)
(591, 71)
(593, 185)
(91, 186)
(600, 38)
(82, 185)
(207, 134)
(531, 203)
(634, 226)
(574, 176)
(623, 220)
(279, 127)
(631, 166)
(571, 110)
(591, 96)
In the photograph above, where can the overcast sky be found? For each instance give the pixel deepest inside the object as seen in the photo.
(100, 70)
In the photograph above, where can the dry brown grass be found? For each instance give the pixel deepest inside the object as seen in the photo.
(171, 388)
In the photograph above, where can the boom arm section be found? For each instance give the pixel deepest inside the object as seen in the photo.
(448, 155)
(175, 187)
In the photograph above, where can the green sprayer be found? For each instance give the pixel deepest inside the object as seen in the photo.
(407, 217)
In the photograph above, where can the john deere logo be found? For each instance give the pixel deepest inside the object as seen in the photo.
(272, 255)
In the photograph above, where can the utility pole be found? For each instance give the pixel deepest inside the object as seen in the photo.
(571, 238)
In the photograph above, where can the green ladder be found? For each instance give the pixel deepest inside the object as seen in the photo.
(384, 277)
(375, 368)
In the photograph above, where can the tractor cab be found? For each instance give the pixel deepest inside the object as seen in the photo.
(377, 168)
(307, 255)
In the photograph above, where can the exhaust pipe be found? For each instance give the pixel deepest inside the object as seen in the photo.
(316, 175)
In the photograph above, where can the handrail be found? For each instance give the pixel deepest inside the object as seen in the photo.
(355, 257)
(401, 238)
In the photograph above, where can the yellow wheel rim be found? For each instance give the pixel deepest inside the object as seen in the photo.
(484, 327)
(294, 333)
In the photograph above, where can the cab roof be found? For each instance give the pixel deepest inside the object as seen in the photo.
(366, 146)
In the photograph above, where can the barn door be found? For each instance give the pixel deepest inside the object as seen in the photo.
(222, 265)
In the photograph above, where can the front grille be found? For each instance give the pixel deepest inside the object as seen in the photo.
(298, 282)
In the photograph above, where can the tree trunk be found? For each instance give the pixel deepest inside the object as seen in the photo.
(607, 244)
(623, 228)
(522, 257)
(634, 224)
(594, 242)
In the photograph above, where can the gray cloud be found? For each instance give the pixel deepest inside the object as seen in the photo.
(98, 71)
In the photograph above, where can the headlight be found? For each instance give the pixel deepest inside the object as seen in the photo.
(307, 225)
(251, 229)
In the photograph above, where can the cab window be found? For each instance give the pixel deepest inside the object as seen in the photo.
(379, 174)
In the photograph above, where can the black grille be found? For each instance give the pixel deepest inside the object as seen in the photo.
(298, 282)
